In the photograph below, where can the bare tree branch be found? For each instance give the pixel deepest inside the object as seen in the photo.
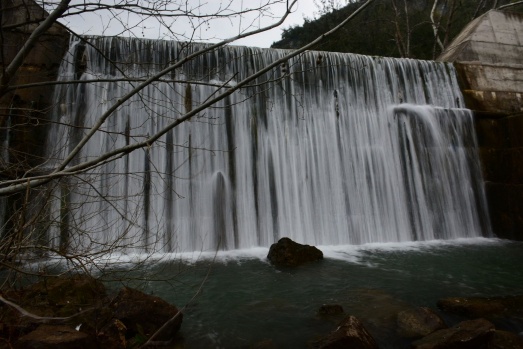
(41, 319)
(510, 5)
(63, 170)
(435, 27)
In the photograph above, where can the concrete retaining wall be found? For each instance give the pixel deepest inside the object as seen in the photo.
(488, 57)
(23, 112)
(501, 151)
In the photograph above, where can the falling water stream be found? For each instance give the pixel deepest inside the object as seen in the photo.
(348, 149)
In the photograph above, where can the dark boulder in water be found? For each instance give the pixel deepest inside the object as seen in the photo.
(419, 322)
(287, 253)
(474, 307)
(471, 334)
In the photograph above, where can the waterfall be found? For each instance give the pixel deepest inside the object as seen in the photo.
(337, 149)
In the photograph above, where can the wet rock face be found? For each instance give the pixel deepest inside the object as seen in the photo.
(143, 314)
(505, 340)
(473, 307)
(419, 322)
(471, 334)
(287, 253)
(350, 333)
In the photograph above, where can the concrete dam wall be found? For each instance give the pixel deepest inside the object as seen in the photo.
(488, 57)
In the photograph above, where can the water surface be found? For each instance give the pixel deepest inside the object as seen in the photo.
(244, 300)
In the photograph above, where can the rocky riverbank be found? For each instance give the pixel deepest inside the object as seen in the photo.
(78, 312)
(424, 328)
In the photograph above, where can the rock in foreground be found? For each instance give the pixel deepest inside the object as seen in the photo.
(419, 322)
(287, 253)
(77, 313)
(349, 334)
(474, 307)
(145, 314)
(505, 340)
(471, 334)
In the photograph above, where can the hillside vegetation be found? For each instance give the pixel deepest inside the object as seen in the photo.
(394, 28)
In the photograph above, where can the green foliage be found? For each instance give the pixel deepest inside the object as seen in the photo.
(381, 28)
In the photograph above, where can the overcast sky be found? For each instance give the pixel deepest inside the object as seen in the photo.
(105, 24)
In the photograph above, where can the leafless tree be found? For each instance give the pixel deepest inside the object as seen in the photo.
(326, 6)
(34, 187)
(403, 31)
(442, 19)
(20, 240)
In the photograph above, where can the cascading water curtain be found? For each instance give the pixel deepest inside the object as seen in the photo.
(345, 149)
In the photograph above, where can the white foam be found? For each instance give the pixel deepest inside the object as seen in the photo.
(349, 253)
(355, 253)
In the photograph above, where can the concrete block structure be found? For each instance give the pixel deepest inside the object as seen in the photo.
(488, 56)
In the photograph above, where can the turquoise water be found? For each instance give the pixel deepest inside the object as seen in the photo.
(244, 300)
